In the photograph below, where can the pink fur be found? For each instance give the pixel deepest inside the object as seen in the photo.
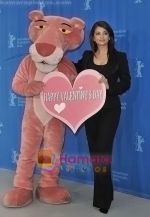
(51, 36)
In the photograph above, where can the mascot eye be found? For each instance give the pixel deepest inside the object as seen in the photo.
(40, 27)
(65, 31)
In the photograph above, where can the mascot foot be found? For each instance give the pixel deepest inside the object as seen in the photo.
(53, 195)
(17, 197)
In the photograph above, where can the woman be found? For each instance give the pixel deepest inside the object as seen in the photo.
(101, 128)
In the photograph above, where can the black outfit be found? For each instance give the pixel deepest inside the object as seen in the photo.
(101, 128)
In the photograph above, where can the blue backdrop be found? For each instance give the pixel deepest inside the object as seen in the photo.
(129, 20)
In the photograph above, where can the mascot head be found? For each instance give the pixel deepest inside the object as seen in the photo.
(51, 37)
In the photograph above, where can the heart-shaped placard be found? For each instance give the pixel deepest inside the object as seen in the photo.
(73, 105)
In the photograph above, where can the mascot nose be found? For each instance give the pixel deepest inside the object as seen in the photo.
(45, 49)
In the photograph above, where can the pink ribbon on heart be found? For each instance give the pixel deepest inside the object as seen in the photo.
(73, 104)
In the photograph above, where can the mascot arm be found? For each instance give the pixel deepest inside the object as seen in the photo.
(68, 68)
(23, 84)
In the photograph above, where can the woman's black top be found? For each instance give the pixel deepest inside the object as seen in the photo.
(116, 71)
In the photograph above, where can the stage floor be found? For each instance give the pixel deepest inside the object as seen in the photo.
(124, 205)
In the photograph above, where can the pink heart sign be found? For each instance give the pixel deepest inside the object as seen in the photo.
(73, 104)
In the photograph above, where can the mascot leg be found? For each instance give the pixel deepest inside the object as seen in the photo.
(49, 190)
(22, 193)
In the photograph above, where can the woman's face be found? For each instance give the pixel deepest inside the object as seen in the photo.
(101, 36)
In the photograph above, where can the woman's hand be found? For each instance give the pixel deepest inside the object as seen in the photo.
(105, 81)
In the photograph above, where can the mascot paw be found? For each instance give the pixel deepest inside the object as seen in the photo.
(34, 88)
(17, 197)
(53, 195)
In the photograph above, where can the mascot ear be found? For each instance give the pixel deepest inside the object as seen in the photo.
(78, 23)
(36, 15)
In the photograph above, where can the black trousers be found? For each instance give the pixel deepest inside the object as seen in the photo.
(100, 130)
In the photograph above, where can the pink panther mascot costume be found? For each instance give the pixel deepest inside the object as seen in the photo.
(52, 36)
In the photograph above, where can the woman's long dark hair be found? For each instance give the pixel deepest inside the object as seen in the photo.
(111, 42)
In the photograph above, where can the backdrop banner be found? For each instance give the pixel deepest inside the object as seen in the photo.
(129, 20)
